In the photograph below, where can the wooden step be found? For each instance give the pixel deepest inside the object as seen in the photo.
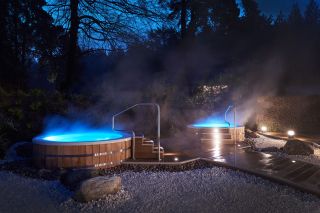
(148, 155)
(213, 130)
(148, 142)
(216, 135)
(157, 148)
(146, 149)
(139, 139)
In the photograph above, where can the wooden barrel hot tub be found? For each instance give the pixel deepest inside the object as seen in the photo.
(95, 153)
(225, 135)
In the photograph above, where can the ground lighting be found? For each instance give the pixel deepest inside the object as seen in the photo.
(264, 129)
(291, 133)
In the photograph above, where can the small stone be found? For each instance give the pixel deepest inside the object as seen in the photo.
(97, 188)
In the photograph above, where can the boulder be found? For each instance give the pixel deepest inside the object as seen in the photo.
(296, 147)
(72, 178)
(97, 188)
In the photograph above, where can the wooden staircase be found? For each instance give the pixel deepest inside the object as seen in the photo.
(222, 135)
(146, 149)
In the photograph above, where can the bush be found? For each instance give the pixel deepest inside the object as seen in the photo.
(22, 112)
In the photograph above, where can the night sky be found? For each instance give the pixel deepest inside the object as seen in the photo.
(272, 7)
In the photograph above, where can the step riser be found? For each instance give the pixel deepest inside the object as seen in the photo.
(216, 136)
(146, 149)
(148, 155)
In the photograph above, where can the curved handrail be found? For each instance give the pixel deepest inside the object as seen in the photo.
(158, 124)
(226, 114)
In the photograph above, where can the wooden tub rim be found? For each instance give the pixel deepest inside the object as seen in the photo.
(40, 141)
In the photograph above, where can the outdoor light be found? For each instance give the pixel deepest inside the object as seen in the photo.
(176, 159)
(264, 129)
(293, 161)
(291, 133)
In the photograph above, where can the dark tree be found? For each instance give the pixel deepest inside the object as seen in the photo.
(295, 18)
(71, 63)
(178, 11)
(253, 19)
(110, 23)
(27, 35)
(280, 20)
(225, 15)
(312, 13)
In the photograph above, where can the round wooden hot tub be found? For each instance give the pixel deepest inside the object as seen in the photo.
(92, 153)
(221, 133)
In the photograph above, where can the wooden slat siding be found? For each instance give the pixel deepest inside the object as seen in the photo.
(60, 163)
(79, 156)
(119, 157)
(82, 161)
(81, 150)
(95, 149)
(95, 160)
(102, 150)
(76, 162)
(48, 162)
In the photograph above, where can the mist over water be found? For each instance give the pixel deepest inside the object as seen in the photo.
(63, 129)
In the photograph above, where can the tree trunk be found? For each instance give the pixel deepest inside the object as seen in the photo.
(71, 64)
(183, 18)
(192, 25)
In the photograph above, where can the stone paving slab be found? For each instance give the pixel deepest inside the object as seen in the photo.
(301, 175)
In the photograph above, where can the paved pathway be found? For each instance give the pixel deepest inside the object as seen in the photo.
(302, 175)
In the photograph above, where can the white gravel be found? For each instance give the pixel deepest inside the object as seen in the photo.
(202, 190)
(264, 142)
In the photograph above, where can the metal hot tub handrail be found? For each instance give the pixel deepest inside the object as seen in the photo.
(226, 114)
(133, 134)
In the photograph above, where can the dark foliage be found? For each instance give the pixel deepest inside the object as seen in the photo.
(199, 43)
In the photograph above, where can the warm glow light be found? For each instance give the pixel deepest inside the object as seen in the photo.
(291, 133)
(264, 129)
(293, 161)
(176, 159)
(216, 142)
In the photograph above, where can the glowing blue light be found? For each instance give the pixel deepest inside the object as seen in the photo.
(60, 129)
(212, 123)
(82, 136)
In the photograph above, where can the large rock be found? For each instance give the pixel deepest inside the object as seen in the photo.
(97, 188)
(72, 178)
(296, 147)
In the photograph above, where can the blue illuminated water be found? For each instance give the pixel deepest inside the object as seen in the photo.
(212, 123)
(81, 136)
(59, 129)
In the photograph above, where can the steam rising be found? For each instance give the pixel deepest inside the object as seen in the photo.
(60, 129)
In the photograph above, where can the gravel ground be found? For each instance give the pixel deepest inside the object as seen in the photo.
(199, 190)
(264, 142)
